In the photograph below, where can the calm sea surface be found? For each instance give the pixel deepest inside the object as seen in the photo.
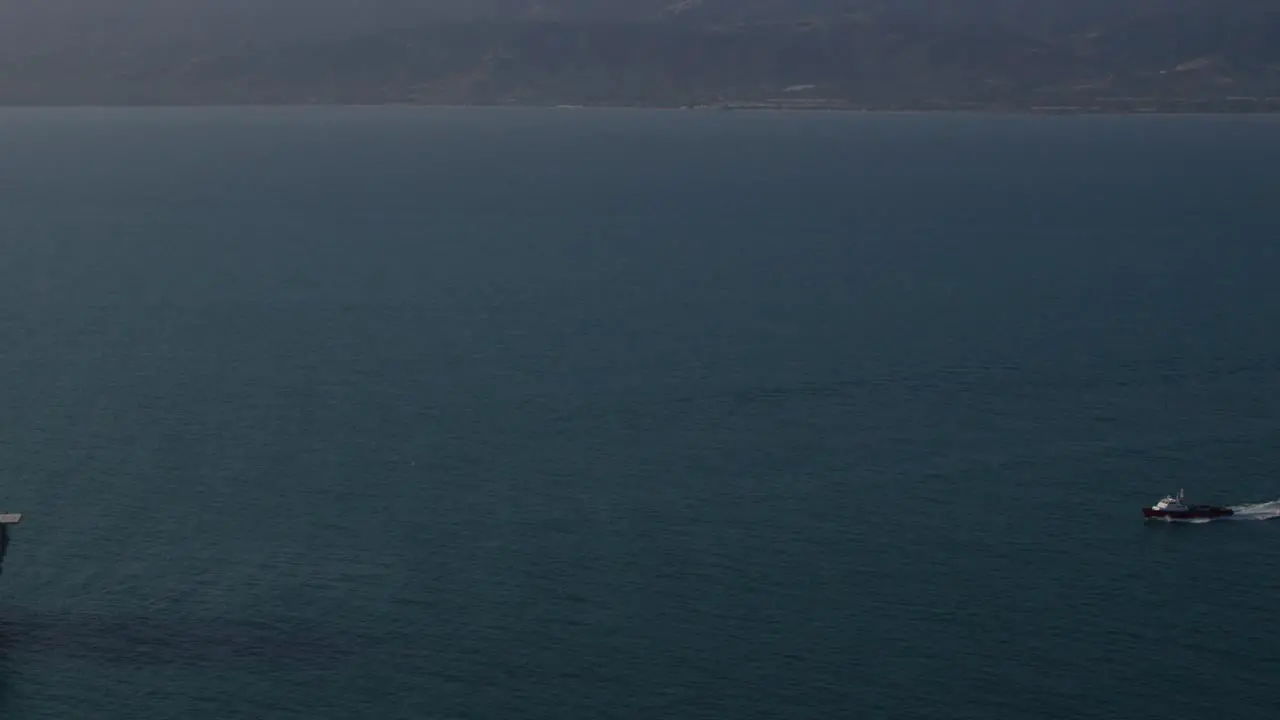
(400, 413)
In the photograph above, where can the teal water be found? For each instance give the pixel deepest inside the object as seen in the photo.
(395, 413)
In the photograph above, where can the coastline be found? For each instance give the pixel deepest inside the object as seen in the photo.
(1269, 107)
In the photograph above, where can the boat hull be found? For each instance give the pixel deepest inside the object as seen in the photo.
(1191, 513)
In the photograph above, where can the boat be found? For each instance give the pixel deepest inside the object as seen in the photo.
(1176, 508)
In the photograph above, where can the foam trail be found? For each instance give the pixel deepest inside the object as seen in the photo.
(1256, 511)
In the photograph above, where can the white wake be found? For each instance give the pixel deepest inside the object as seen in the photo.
(1256, 511)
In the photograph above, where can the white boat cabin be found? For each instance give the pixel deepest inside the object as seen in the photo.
(1171, 503)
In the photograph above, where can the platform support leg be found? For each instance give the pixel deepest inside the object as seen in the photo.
(4, 544)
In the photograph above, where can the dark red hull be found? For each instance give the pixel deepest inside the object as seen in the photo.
(1191, 513)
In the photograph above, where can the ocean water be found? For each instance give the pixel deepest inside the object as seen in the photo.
(406, 413)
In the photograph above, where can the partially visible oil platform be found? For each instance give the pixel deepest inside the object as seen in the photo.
(6, 520)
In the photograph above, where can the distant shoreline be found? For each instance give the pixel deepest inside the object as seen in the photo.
(744, 106)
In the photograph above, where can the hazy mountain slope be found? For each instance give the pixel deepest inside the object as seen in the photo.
(1173, 54)
(44, 24)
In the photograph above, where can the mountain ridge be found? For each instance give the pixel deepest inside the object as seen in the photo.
(1125, 55)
